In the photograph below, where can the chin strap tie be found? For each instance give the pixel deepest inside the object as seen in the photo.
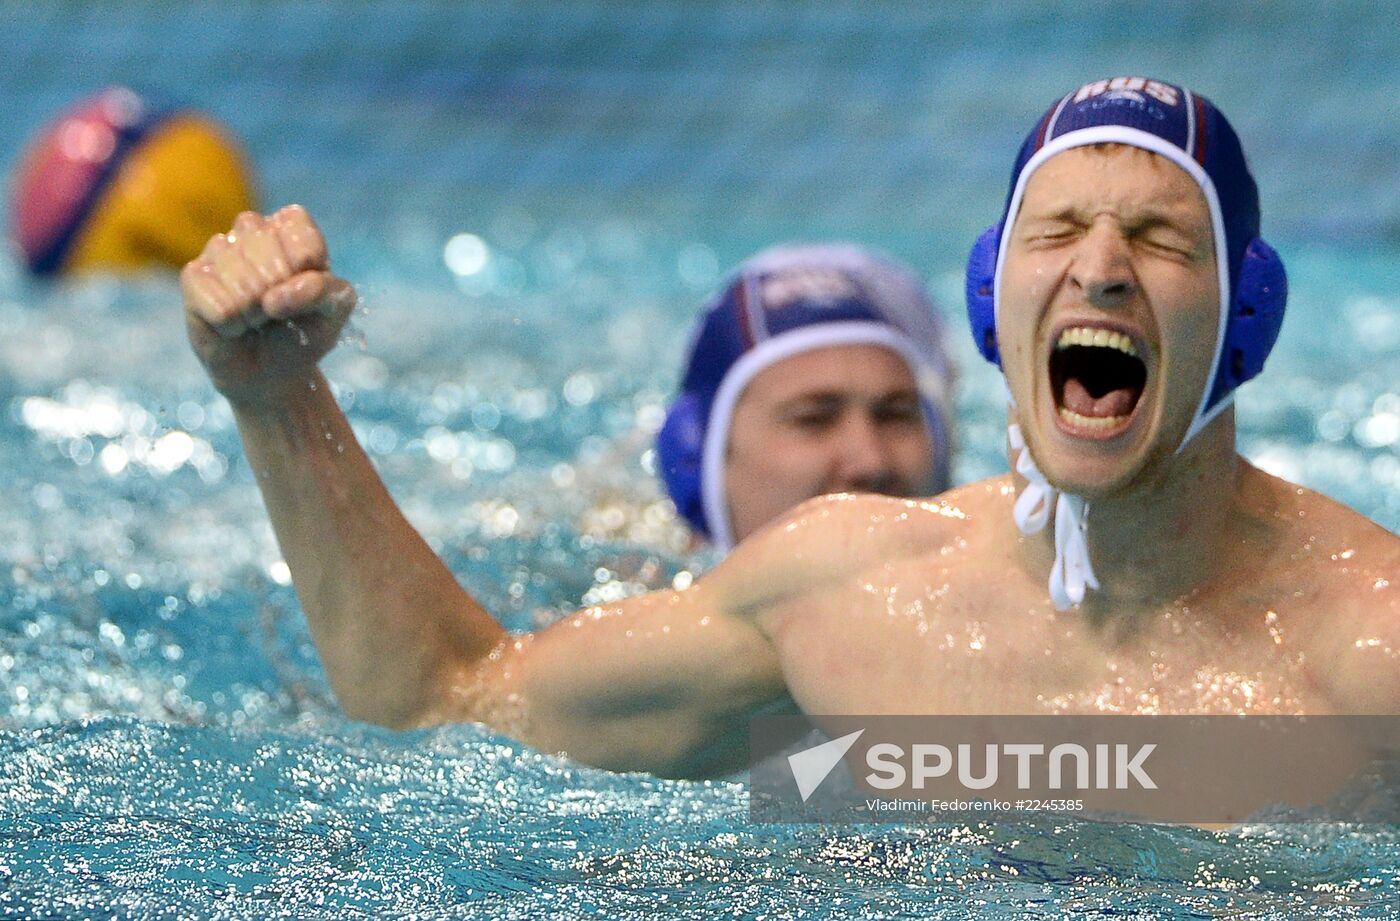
(1072, 573)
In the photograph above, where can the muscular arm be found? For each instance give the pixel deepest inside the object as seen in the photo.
(661, 682)
(658, 682)
(389, 620)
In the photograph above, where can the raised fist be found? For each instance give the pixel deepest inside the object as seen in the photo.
(262, 306)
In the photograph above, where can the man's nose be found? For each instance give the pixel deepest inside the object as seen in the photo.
(1102, 267)
(864, 460)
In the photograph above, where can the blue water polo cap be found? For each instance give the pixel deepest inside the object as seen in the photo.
(782, 302)
(1192, 133)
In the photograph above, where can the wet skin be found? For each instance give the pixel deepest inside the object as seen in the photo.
(960, 625)
(1225, 589)
(846, 418)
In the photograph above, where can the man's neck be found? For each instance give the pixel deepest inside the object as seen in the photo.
(1163, 537)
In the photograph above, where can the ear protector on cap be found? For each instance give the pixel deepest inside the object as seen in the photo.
(679, 448)
(1256, 316)
(981, 300)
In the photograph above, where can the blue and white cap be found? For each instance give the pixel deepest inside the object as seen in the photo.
(782, 302)
(1188, 130)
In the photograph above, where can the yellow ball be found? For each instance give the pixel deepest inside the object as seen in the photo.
(115, 185)
(184, 184)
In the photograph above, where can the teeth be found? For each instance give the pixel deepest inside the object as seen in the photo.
(1091, 422)
(1097, 338)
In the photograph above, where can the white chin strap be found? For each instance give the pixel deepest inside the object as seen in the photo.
(1072, 573)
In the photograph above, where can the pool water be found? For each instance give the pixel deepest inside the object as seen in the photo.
(169, 744)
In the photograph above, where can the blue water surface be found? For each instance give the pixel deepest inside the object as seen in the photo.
(169, 744)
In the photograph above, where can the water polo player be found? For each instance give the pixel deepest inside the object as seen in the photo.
(817, 369)
(1134, 563)
(119, 183)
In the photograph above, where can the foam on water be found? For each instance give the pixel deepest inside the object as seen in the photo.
(457, 822)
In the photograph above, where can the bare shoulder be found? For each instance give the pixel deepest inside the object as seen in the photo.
(1323, 523)
(863, 527)
(1361, 645)
(1349, 568)
(829, 538)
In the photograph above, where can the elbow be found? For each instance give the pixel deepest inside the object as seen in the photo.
(397, 704)
(679, 742)
(398, 716)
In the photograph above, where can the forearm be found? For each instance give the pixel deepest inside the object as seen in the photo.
(390, 622)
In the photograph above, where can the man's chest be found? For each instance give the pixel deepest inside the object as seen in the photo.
(929, 639)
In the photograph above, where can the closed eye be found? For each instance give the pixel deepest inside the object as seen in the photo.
(1170, 244)
(1051, 232)
(904, 409)
(814, 421)
(813, 414)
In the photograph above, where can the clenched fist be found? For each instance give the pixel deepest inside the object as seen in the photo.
(262, 306)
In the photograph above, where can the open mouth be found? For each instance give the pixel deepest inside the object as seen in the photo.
(1098, 379)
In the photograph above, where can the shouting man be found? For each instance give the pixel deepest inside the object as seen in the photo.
(1134, 563)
